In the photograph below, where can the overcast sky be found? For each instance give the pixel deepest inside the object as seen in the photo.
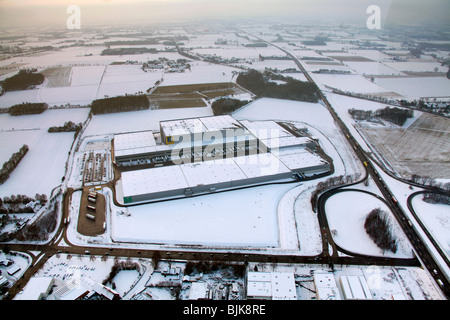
(15, 13)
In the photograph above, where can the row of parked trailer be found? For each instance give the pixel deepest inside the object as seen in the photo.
(92, 198)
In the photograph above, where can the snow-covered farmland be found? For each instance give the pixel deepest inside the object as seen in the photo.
(436, 218)
(200, 72)
(43, 166)
(45, 120)
(242, 218)
(417, 66)
(415, 88)
(139, 120)
(351, 83)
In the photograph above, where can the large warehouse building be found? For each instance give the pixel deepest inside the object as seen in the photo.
(203, 155)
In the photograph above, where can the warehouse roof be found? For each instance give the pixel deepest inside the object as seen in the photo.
(189, 175)
(133, 140)
(182, 126)
(296, 158)
(200, 125)
(291, 141)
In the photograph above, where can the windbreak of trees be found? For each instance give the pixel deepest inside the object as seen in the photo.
(124, 51)
(27, 108)
(226, 105)
(42, 227)
(436, 198)
(378, 228)
(329, 184)
(12, 163)
(430, 182)
(394, 115)
(20, 203)
(68, 126)
(25, 79)
(261, 85)
(120, 104)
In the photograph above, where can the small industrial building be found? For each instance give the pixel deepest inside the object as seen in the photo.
(326, 287)
(37, 288)
(198, 291)
(204, 155)
(351, 287)
(271, 286)
(355, 288)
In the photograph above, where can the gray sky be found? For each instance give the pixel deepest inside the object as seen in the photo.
(15, 13)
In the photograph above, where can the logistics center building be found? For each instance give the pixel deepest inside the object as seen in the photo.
(204, 155)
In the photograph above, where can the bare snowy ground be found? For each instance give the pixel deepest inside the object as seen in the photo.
(437, 219)
(423, 148)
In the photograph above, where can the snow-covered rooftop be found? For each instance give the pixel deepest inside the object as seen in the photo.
(36, 289)
(266, 129)
(133, 140)
(281, 142)
(190, 175)
(271, 285)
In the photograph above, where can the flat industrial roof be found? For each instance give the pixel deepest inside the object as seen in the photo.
(182, 126)
(134, 140)
(139, 151)
(297, 158)
(198, 125)
(220, 123)
(152, 180)
(285, 141)
(266, 129)
(189, 175)
(275, 285)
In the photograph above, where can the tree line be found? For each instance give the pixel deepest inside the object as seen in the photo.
(120, 104)
(25, 79)
(27, 108)
(20, 203)
(330, 183)
(436, 198)
(12, 163)
(263, 85)
(378, 228)
(226, 105)
(394, 115)
(68, 126)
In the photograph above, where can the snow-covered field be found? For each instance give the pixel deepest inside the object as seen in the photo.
(43, 166)
(415, 88)
(346, 220)
(351, 83)
(242, 218)
(437, 219)
(139, 120)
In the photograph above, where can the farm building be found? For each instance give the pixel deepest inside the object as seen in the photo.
(211, 154)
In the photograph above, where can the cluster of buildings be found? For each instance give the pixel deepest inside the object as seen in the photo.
(282, 286)
(78, 288)
(204, 155)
